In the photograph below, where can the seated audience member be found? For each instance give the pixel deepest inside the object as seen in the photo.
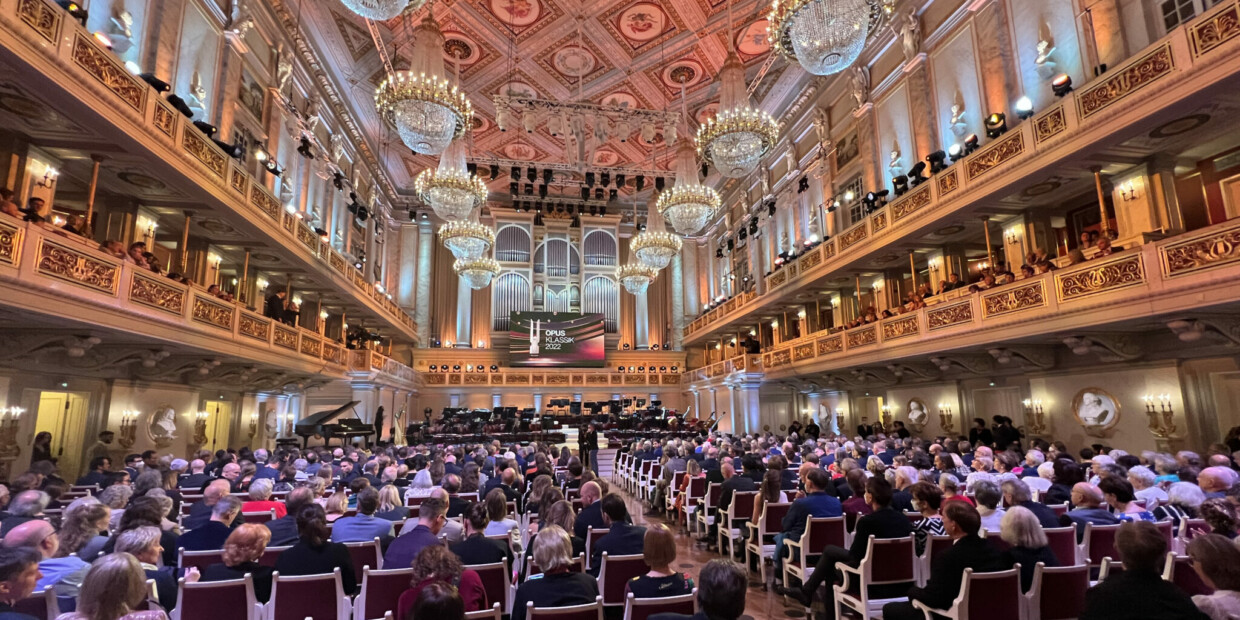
(440, 601)
(114, 587)
(364, 526)
(816, 503)
(968, 550)
(1139, 591)
(431, 517)
(314, 554)
(147, 511)
(1119, 496)
(242, 551)
(83, 529)
(284, 529)
(855, 504)
(436, 564)
(1027, 544)
(63, 573)
(391, 504)
(477, 548)
(1089, 509)
(558, 585)
(591, 515)
(988, 497)
(197, 477)
(200, 511)
(456, 505)
(622, 537)
(721, 593)
(100, 467)
(1183, 502)
(25, 506)
(883, 522)
(661, 581)
(1214, 481)
(260, 497)
(143, 544)
(212, 535)
(561, 514)
(1145, 486)
(950, 487)
(927, 499)
(1220, 515)
(19, 573)
(501, 524)
(1217, 560)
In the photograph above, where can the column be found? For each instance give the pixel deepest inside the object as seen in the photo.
(833, 401)
(753, 407)
(704, 256)
(998, 63)
(642, 321)
(733, 406)
(867, 147)
(691, 303)
(678, 302)
(714, 405)
(538, 403)
(422, 298)
(757, 266)
(464, 315)
(921, 107)
(407, 266)
(1161, 173)
(1108, 26)
(697, 404)
(495, 401)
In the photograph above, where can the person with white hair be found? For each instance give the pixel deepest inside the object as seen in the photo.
(1033, 460)
(421, 485)
(902, 499)
(1144, 486)
(1184, 500)
(1096, 465)
(1214, 481)
(983, 469)
(1044, 479)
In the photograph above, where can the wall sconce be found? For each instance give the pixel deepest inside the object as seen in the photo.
(253, 424)
(878, 285)
(129, 428)
(1012, 236)
(10, 420)
(1034, 416)
(1129, 191)
(200, 427)
(839, 418)
(945, 415)
(933, 263)
(885, 416)
(1161, 426)
(49, 178)
(801, 313)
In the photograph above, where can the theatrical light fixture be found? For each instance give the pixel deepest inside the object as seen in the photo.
(425, 109)
(548, 176)
(915, 176)
(1061, 85)
(938, 161)
(494, 171)
(636, 277)
(619, 180)
(531, 174)
(956, 151)
(585, 194)
(598, 193)
(719, 253)
(305, 148)
(1024, 107)
(180, 106)
(611, 194)
(604, 178)
(590, 179)
(471, 168)
(103, 40)
(659, 183)
(996, 125)
(771, 208)
(235, 151)
(514, 188)
(641, 182)
(159, 85)
(542, 191)
(75, 11)
(529, 189)
(338, 180)
(970, 143)
(206, 128)
(515, 173)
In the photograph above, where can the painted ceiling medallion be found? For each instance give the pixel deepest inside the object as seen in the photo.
(574, 61)
(520, 90)
(518, 13)
(458, 48)
(620, 99)
(520, 151)
(606, 157)
(753, 39)
(643, 22)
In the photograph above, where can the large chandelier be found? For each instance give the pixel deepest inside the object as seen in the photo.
(451, 190)
(477, 273)
(824, 36)
(467, 240)
(636, 277)
(654, 246)
(736, 138)
(688, 205)
(382, 10)
(425, 109)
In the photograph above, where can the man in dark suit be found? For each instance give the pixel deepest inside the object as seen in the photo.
(812, 431)
(456, 505)
(1089, 509)
(274, 308)
(1017, 493)
(591, 515)
(962, 522)
(710, 462)
(211, 536)
(477, 548)
(623, 538)
(721, 593)
(731, 484)
(865, 430)
(816, 504)
(1139, 591)
(883, 523)
(284, 529)
(508, 479)
(197, 477)
(431, 518)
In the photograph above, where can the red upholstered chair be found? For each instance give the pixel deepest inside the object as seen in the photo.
(643, 608)
(414, 502)
(1057, 593)
(1060, 509)
(270, 554)
(740, 508)
(590, 611)
(935, 545)
(532, 568)
(199, 559)
(42, 605)
(887, 561)
(1098, 543)
(209, 600)
(1107, 568)
(484, 614)
(1188, 529)
(497, 582)
(819, 533)
(592, 536)
(259, 517)
(984, 595)
(1179, 570)
(397, 526)
(365, 554)
(762, 535)
(614, 574)
(705, 512)
(1062, 541)
(1167, 529)
(381, 589)
(997, 541)
(316, 597)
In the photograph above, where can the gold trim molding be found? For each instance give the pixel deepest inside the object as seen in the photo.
(1109, 276)
(65, 263)
(1135, 76)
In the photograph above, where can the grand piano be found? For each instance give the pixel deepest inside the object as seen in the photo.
(329, 425)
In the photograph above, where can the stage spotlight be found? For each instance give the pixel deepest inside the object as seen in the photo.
(938, 161)
(531, 174)
(996, 125)
(514, 188)
(611, 194)
(494, 368)
(719, 253)
(338, 180)
(900, 185)
(515, 173)
(956, 151)
(641, 182)
(494, 171)
(75, 11)
(753, 226)
(598, 193)
(542, 191)
(589, 179)
(619, 180)
(434, 367)
(881, 196)
(602, 211)
(1024, 108)
(305, 148)
(593, 210)
(1061, 85)
(180, 106)
(731, 244)
(235, 151)
(659, 183)
(970, 143)
(159, 85)
(770, 208)
(585, 193)
(548, 176)
(915, 176)
(604, 179)
(673, 369)
(529, 189)
(206, 128)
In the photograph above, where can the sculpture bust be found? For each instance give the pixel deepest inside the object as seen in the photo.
(163, 425)
(958, 126)
(861, 85)
(1044, 65)
(196, 99)
(895, 166)
(120, 28)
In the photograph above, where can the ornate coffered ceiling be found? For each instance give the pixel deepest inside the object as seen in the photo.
(630, 52)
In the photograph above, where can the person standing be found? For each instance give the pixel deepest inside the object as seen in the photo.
(589, 448)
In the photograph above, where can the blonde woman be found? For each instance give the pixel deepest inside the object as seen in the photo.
(1028, 545)
(558, 585)
(391, 504)
(112, 588)
(337, 504)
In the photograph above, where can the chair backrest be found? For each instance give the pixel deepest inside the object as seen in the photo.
(590, 611)
(215, 599)
(992, 595)
(365, 554)
(1101, 541)
(413, 502)
(199, 559)
(305, 596)
(891, 560)
(697, 486)
(532, 568)
(1190, 528)
(471, 497)
(713, 492)
(495, 579)
(1060, 592)
(1180, 571)
(742, 505)
(41, 605)
(645, 470)
(1062, 541)
(642, 608)
(270, 555)
(592, 536)
(614, 574)
(397, 526)
(997, 541)
(259, 517)
(820, 532)
(381, 589)
(936, 545)
(1167, 529)
(1060, 509)
(771, 520)
(494, 613)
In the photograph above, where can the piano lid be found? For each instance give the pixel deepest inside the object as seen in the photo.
(326, 416)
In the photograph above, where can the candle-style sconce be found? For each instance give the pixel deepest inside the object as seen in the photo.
(10, 449)
(129, 428)
(200, 426)
(839, 419)
(945, 416)
(885, 416)
(253, 424)
(1161, 414)
(1035, 417)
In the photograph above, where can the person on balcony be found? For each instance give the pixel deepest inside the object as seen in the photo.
(274, 308)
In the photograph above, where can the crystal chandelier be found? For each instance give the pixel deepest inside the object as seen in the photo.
(425, 109)
(736, 138)
(688, 205)
(382, 10)
(654, 246)
(451, 190)
(477, 273)
(466, 239)
(825, 36)
(636, 277)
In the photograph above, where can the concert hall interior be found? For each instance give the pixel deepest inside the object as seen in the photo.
(244, 224)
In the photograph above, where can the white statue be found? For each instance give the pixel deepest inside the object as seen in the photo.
(337, 146)
(163, 425)
(284, 68)
(910, 34)
(792, 160)
(1096, 410)
(312, 117)
(917, 412)
(959, 128)
(239, 19)
(196, 99)
(271, 420)
(1044, 65)
(286, 192)
(861, 85)
(120, 28)
(785, 244)
(535, 336)
(895, 166)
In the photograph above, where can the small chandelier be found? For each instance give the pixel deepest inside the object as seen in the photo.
(466, 239)
(736, 138)
(655, 246)
(636, 277)
(824, 36)
(427, 111)
(688, 205)
(382, 10)
(450, 189)
(477, 273)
